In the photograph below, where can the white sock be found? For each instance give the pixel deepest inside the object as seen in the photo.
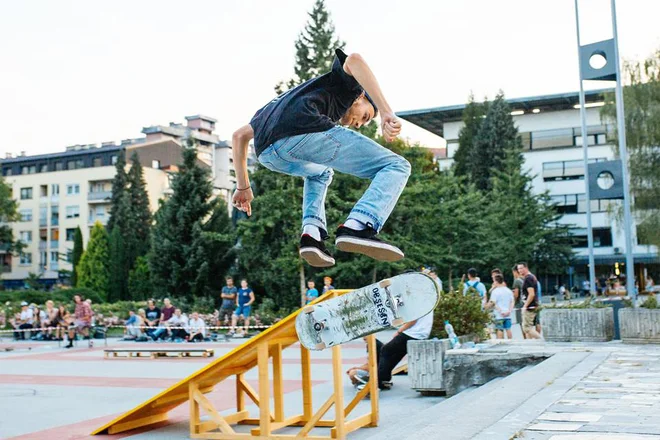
(355, 225)
(312, 231)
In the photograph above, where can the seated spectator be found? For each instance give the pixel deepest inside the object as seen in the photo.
(23, 322)
(617, 289)
(38, 324)
(82, 320)
(62, 321)
(196, 328)
(167, 313)
(153, 317)
(133, 326)
(359, 375)
(50, 323)
(179, 326)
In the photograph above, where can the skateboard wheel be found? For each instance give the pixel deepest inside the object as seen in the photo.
(320, 346)
(398, 322)
(385, 283)
(308, 309)
(318, 326)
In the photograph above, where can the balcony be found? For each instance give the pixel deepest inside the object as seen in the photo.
(99, 196)
(43, 222)
(94, 218)
(54, 244)
(43, 245)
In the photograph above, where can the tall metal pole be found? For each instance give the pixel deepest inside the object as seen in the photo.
(585, 154)
(623, 153)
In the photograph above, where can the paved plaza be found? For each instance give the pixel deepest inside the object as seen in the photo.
(582, 392)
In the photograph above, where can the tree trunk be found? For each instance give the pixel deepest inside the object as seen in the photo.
(303, 295)
(374, 277)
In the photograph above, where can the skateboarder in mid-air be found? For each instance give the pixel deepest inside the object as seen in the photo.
(302, 133)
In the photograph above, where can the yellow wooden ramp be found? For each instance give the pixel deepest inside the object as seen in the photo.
(260, 351)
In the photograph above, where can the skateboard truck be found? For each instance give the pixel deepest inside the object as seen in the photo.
(318, 326)
(394, 301)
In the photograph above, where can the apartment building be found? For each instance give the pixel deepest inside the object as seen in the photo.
(58, 192)
(549, 126)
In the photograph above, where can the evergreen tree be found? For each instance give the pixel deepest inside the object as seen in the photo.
(473, 117)
(76, 255)
(118, 280)
(642, 118)
(139, 210)
(8, 213)
(180, 260)
(315, 48)
(496, 135)
(139, 280)
(93, 270)
(119, 183)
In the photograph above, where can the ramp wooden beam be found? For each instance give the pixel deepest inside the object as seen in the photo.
(261, 352)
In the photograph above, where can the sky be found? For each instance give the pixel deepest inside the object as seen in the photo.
(81, 72)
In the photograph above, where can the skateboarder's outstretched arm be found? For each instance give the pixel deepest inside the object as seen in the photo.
(243, 196)
(358, 68)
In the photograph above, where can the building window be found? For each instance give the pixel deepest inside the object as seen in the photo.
(59, 166)
(26, 258)
(26, 236)
(43, 190)
(114, 159)
(72, 189)
(6, 171)
(26, 193)
(26, 215)
(71, 165)
(55, 189)
(73, 211)
(54, 257)
(566, 170)
(602, 237)
(70, 234)
(97, 162)
(155, 164)
(577, 204)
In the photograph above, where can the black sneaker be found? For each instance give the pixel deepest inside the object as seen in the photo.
(365, 242)
(314, 252)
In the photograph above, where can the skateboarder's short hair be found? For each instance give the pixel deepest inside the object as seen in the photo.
(499, 278)
(472, 272)
(496, 271)
(522, 263)
(327, 278)
(227, 278)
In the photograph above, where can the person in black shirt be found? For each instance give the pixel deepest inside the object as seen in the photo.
(530, 301)
(298, 134)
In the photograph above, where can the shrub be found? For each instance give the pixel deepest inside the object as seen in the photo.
(268, 313)
(650, 303)
(463, 312)
(40, 297)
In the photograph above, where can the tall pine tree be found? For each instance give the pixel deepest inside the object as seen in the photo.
(8, 213)
(119, 184)
(473, 117)
(496, 135)
(117, 278)
(93, 270)
(139, 211)
(76, 255)
(315, 48)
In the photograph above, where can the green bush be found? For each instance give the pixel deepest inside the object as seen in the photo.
(40, 297)
(463, 312)
(588, 303)
(119, 309)
(268, 313)
(650, 303)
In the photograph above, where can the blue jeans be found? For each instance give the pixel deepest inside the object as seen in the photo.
(314, 156)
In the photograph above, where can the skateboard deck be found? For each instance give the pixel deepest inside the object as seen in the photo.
(389, 303)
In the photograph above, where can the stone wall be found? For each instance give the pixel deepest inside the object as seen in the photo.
(582, 325)
(640, 326)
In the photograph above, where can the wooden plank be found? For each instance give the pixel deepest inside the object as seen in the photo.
(264, 388)
(305, 362)
(183, 396)
(279, 425)
(194, 409)
(400, 369)
(220, 436)
(278, 384)
(237, 417)
(251, 393)
(352, 425)
(137, 423)
(311, 423)
(212, 412)
(338, 384)
(357, 399)
(373, 383)
(240, 397)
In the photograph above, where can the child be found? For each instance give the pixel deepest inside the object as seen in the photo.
(296, 134)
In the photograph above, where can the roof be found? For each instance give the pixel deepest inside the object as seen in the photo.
(205, 118)
(433, 119)
(18, 159)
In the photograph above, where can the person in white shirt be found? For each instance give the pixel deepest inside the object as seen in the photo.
(180, 323)
(392, 352)
(501, 301)
(196, 328)
(431, 271)
(24, 321)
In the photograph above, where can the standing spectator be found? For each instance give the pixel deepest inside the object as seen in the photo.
(602, 285)
(530, 301)
(133, 326)
(24, 321)
(312, 293)
(517, 296)
(228, 297)
(475, 283)
(244, 300)
(563, 292)
(196, 328)
(397, 348)
(431, 271)
(327, 284)
(586, 287)
(501, 300)
(153, 317)
(82, 320)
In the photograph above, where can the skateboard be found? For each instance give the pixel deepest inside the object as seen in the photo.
(389, 303)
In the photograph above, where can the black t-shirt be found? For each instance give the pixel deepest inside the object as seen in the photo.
(530, 281)
(314, 106)
(229, 303)
(152, 314)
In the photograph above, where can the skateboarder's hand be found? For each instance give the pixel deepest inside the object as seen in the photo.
(242, 200)
(390, 125)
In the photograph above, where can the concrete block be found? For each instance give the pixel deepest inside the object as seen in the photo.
(578, 325)
(640, 326)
